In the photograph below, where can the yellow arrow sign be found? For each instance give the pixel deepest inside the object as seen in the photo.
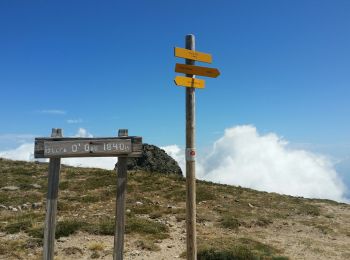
(189, 82)
(196, 70)
(192, 55)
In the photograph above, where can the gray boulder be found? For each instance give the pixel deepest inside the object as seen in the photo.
(154, 159)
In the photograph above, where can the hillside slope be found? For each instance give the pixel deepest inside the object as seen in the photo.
(233, 222)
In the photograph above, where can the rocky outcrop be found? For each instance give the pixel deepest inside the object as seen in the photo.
(154, 159)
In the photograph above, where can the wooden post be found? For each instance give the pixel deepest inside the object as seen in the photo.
(120, 204)
(190, 163)
(51, 203)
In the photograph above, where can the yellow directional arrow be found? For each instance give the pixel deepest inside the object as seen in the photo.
(189, 82)
(197, 70)
(192, 55)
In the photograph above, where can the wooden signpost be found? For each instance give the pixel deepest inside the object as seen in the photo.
(58, 147)
(196, 70)
(192, 55)
(191, 83)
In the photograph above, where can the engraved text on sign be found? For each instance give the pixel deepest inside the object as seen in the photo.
(78, 148)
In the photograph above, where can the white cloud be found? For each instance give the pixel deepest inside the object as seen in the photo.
(241, 157)
(107, 163)
(266, 162)
(24, 152)
(74, 121)
(53, 111)
(82, 132)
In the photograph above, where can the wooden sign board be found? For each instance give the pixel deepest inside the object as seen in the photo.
(87, 147)
(189, 82)
(192, 55)
(196, 70)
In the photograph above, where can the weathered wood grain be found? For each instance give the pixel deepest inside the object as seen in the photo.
(87, 147)
(51, 203)
(191, 236)
(120, 205)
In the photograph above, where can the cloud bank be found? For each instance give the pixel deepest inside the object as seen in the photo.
(266, 162)
(242, 157)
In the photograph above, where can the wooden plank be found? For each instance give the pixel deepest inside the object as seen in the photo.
(197, 70)
(51, 203)
(192, 55)
(87, 147)
(190, 164)
(189, 82)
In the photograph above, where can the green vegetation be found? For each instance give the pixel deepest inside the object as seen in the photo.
(230, 222)
(147, 227)
(86, 203)
(237, 249)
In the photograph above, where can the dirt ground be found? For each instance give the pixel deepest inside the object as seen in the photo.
(296, 240)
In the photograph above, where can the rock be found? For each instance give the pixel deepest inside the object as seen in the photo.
(14, 209)
(139, 203)
(36, 205)
(128, 211)
(135, 253)
(3, 207)
(25, 206)
(36, 186)
(63, 239)
(10, 188)
(154, 159)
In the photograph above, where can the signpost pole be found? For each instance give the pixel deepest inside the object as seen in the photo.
(51, 202)
(190, 162)
(120, 204)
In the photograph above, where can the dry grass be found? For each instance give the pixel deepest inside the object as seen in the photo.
(87, 204)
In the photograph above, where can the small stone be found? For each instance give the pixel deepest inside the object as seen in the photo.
(14, 209)
(10, 188)
(135, 253)
(139, 203)
(62, 239)
(128, 211)
(250, 205)
(25, 206)
(36, 186)
(3, 207)
(36, 205)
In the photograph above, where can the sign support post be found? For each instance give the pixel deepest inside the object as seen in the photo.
(191, 83)
(57, 147)
(51, 202)
(191, 236)
(120, 203)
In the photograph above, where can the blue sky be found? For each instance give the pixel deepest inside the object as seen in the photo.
(106, 65)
